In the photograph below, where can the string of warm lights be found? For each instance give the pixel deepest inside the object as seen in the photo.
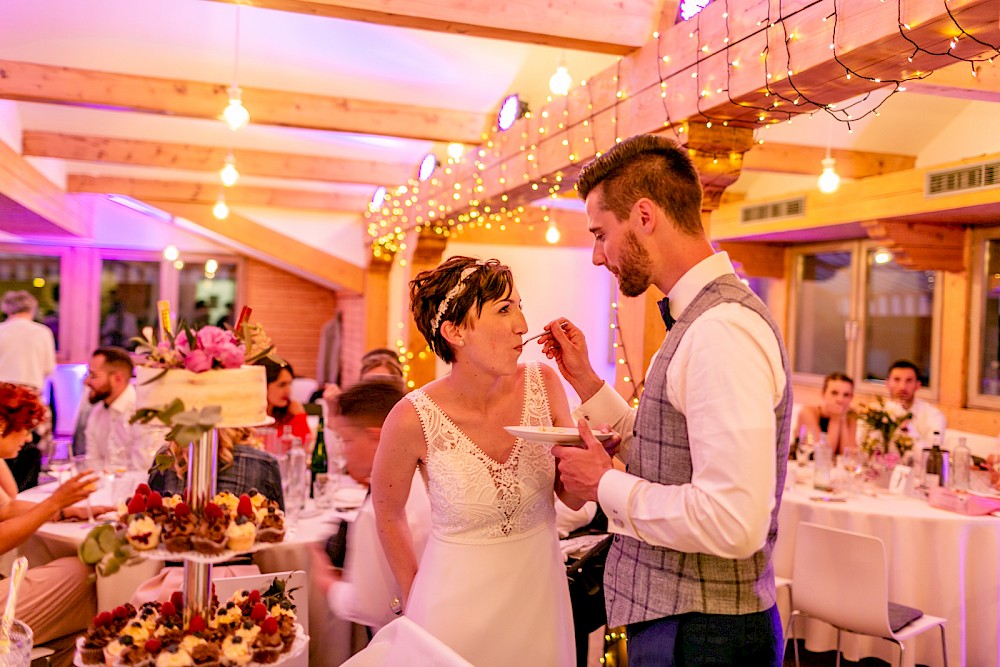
(467, 206)
(621, 355)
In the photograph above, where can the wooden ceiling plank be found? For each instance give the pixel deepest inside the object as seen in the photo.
(30, 204)
(273, 247)
(565, 24)
(208, 158)
(793, 159)
(30, 82)
(207, 193)
(957, 81)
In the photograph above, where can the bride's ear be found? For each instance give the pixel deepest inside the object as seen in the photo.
(451, 333)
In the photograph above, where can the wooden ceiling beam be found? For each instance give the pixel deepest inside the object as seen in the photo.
(565, 24)
(920, 246)
(29, 82)
(209, 158)
(957, 81)
(677, 79)
(31, 205)
(207, 193)
(271, 247)
(530, 231)
(793, 159)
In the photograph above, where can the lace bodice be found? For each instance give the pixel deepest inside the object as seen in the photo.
(476, 499)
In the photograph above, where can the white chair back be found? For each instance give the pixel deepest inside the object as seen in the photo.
(842, 578)
(225, 587)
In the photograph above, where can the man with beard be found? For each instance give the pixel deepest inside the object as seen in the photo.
(903, 382)
(113, 444)
(695, 513)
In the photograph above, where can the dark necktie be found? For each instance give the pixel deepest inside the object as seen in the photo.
(668, 319)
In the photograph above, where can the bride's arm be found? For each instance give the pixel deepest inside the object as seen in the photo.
(559, 405)
(400, 447)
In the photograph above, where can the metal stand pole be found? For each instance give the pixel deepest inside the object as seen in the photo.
(202, 461)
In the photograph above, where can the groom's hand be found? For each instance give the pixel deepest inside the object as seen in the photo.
(581, 468)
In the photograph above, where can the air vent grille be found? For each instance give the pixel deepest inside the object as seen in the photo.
(970, 177)
(788, 208)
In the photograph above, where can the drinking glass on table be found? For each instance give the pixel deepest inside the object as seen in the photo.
(80, 464)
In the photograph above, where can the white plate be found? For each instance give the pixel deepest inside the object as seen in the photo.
(559, 435)
(348, 498)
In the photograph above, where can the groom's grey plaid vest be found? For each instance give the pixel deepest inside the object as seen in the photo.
(644, 582)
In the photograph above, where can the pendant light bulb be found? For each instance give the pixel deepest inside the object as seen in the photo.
(235, 114)
(229, 174)
(221, 208)
(171, 253)
(552, 234)
(560, 82)
(829, 180)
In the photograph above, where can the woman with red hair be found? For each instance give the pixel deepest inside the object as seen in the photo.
(56, 599)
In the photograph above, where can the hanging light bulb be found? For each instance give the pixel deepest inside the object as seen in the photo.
(560, 82)
(178, 264)
(171, 253)
(829, 181)
(236, 115)
(211, 266)
(229, 174)
(455, 151)
(221, 208)
(552, 233)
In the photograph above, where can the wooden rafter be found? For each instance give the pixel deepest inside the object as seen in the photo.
(70, 86)
(209, 158)
(272, 247)
(957, 81)
(31, 205)
(685, 68)
(921, 247)
(567, 24)
(205, 193)
(794, 159)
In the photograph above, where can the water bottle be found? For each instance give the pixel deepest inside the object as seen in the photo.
(823, 459)
(295, 497)
(287, 439)
(962, 469)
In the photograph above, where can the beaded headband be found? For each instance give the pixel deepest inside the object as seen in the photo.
(454, 292)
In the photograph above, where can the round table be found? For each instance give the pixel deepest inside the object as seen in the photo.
(945, 564)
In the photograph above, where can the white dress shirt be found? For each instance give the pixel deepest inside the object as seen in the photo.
(27, 352)
(365, 592)
(726, 378)
(925, 420)
(115, 445)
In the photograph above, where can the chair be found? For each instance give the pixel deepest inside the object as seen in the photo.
(841, 578)
(226, 586)
(784, 583)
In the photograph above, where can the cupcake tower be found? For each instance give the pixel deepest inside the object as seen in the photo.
(250, 627)
(226, 522)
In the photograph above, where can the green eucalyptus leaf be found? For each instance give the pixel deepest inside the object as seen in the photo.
(164, 461)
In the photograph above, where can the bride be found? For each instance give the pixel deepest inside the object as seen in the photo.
(491, 583)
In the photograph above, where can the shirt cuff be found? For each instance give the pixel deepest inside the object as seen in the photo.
(613, 492)
(604, 403)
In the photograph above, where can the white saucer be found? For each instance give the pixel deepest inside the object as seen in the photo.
(557, 435)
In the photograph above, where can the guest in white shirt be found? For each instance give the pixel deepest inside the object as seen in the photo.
(903, 383)
(364, 590)
(27, 348)
(27, 357)
(113, 444)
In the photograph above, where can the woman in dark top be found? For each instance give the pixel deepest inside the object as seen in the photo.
(833, 416)
(242, 467)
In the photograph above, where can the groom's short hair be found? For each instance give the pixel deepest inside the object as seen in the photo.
(369, 402)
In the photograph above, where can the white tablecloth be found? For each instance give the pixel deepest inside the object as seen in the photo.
(943, 563)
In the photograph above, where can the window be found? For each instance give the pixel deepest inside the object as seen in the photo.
(984, 328)
(39, 276)
(855, 310)
(129, 291)
(205, 296)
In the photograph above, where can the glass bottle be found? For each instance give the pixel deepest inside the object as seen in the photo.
(318, 464)
(286, 440)
(823, 459)
(935, 462)
(961, 471)
(295, 496)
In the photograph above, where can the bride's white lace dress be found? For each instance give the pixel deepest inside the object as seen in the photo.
(491, 583)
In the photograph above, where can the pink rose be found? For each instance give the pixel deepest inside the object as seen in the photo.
(221, 346)
(198, 361)
(232, 357)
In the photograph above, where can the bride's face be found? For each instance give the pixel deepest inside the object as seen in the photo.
(494, 337)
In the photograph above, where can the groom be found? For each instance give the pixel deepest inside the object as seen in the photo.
(696, 511)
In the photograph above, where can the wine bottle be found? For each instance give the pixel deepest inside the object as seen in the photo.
(318, 464)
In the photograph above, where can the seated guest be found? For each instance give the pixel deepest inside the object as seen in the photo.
(113, 444)
(280, 405)
(363, 590)
(241, 466)
(380, 363)
(57, 600)
(902, 383)
(832, 416)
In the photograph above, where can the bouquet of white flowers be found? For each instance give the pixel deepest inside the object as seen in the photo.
(882, 422)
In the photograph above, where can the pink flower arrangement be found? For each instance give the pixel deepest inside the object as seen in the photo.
(213, 348)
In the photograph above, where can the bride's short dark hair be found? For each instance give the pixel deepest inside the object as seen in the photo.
(449, 292)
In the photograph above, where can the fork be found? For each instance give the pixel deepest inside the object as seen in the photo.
(528, 340)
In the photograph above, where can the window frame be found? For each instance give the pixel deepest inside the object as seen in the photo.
(50, 251)
(977, 315)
